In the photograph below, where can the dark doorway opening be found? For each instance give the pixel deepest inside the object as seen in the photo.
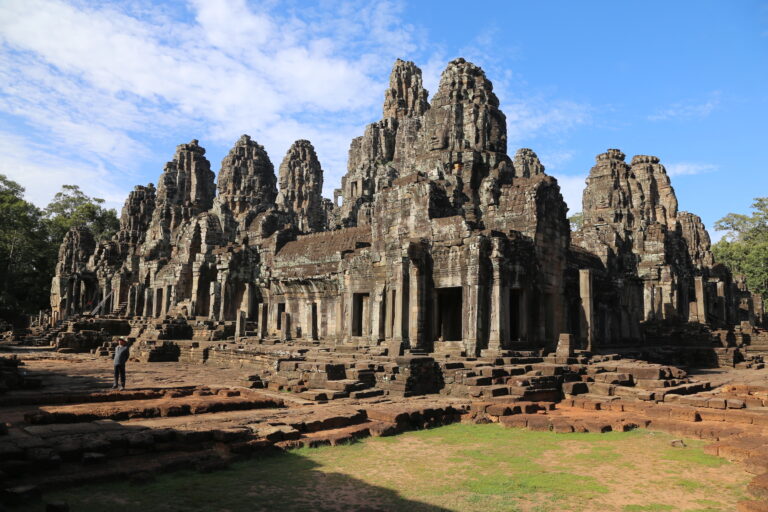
(280, 311)
(360, 315)
(313, 327)
(514, 315)
(449, 311)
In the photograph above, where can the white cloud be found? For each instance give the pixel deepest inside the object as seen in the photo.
(572, 189)
(688, 168)
(688, 109)
(43, 172)
(89, 89)
(554, 160)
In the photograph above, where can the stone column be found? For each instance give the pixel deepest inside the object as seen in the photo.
(587, 307)
(365, 316)
(285, 326)
(496, 334)
(377, 314)
(263, 320)
(147, 302)
(159, 303)
(214, 303)
(400, 325)
(130, 310)
(310, 321)
(224, 297)
(338, 327)
(701, 305)
(416, 306)
(389, 296)
(240, 325)
(247, 303)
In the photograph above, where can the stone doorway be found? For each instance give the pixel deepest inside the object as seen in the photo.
(360, 303)
(449, 314)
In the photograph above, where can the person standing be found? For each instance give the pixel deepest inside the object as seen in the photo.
(121, 357)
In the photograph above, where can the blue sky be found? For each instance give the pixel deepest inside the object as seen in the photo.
(100, 93)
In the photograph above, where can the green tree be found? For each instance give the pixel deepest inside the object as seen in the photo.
(26, 258)
(72, 208)
(576, 220)
(744, 248)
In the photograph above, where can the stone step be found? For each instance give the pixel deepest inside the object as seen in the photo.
(323, 394)
(346, 385)
(124, 410)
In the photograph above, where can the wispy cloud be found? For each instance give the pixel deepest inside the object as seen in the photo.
(688, 168)
(94, 91)
(688, 109)
(101, 84)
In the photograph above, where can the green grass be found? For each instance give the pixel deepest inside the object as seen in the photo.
(453, 468)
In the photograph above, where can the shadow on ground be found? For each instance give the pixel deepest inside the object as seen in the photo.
(284, 481)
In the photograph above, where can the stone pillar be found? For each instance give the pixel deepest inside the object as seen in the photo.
(365, 316)
(587, 308)
(339, 321)
(224, 297)
(247, 303)
(497, 332)
(416, 306)
(69, 297)
(400, 325)
(390, 313)
(285, 326)
(378, 308)
(564, 348)
(310, 321)
(701, 305)
(214, 303)
(240, 325)
(263, 320)
(147, 302)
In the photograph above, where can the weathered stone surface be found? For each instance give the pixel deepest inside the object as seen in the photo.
(301, 187)
(246, 182)
(442, 243)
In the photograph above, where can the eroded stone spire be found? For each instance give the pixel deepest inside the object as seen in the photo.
(406, 96)
(527, 163)
(464, 113)
(301, 186)
(186, 186)
(247, 179)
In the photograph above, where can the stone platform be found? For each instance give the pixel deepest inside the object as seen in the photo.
(205, 414)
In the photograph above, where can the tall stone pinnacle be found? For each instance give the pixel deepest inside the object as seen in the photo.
(247, 179)
(464, 113)
(406, 96)
(301, 186)
(527, 163)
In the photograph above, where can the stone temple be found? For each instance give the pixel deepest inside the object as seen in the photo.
(443, 283)
(438, 241)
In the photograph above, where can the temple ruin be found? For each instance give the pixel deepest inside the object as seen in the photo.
(438, 241)
(443, 283)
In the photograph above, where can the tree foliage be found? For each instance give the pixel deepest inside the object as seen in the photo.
(744, 248)
(26, 258)
(30, 240)
(576, 220)
(72, 208)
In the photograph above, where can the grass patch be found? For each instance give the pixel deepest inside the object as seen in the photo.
(453, 468)
(694, 457)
